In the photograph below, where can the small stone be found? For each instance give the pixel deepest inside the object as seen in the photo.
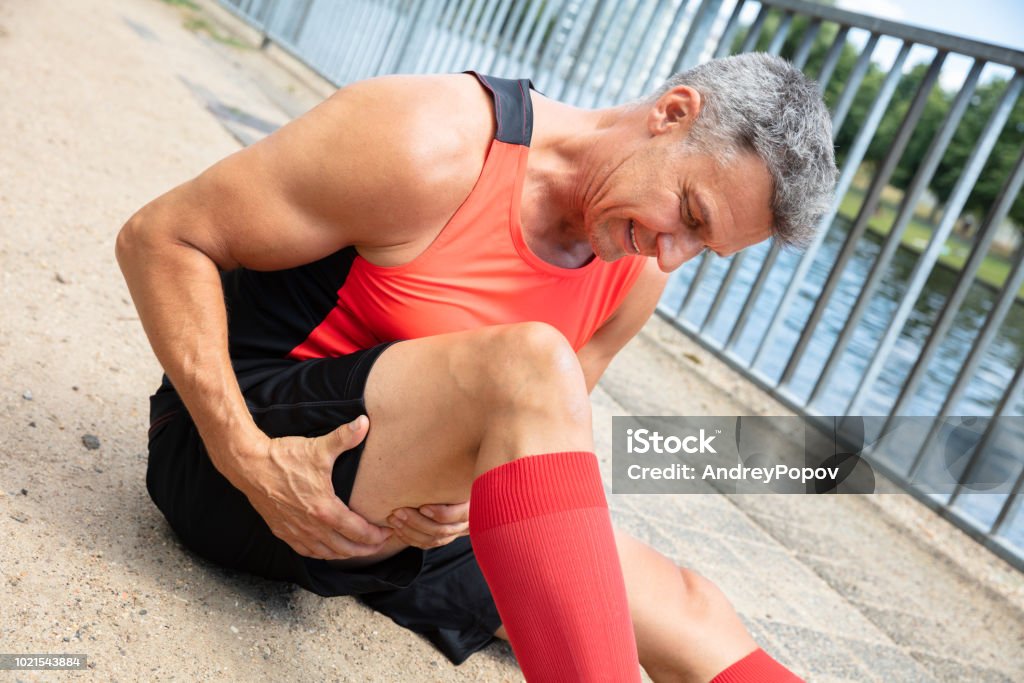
(61, 279)
(143, 612)
(91, 442)
(18, 517)
(234, 629)
(32, 424)
(23, 492)
(74, 388)
(27, 395)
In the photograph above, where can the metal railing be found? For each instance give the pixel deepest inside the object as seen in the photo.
(792, 323)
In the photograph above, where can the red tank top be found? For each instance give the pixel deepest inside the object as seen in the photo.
(479, 270)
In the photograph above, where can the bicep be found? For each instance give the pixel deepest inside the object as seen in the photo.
(627, 320)
(324, 181)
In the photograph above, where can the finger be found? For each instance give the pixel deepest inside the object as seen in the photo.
(419, 539)
(414, 538)
(347, 436)
(410, 519)
(447, 514)
(352, 526)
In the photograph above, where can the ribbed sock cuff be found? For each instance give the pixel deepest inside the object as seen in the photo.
(757, 667)
(508, 493)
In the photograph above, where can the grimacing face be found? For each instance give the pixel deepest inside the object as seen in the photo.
(668, 199)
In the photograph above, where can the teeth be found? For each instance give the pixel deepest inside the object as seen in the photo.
(632, 236)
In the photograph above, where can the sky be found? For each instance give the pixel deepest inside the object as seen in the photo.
(992, 21)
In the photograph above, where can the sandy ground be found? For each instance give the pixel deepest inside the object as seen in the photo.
(107, 103)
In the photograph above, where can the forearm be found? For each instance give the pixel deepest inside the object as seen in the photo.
(176, 289)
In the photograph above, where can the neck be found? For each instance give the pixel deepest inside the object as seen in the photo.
(564, 164)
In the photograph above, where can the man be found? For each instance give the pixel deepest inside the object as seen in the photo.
(515, 244)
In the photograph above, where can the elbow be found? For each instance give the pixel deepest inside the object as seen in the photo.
(129, 240)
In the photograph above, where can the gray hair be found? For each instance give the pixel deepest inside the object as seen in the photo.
(762, 103)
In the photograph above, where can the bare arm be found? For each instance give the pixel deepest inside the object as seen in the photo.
(325, 181)
(627, 320)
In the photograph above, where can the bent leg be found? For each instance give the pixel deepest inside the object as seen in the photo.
(467, 409)
(686, 629)
(445, 409)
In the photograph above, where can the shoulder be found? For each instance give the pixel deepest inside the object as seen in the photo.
(417, 142)
(389, 159)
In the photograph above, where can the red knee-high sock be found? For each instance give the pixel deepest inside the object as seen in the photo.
(542, 536)
(757, 667)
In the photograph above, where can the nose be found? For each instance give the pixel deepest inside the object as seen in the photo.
(675, 249)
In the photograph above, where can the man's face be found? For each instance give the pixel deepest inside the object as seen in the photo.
(671, 204)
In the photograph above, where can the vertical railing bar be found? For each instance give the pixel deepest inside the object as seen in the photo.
(391, 58)
(652, 77)
(697, 35)
(892, 241)
(551, 7)
(990, 327)
(459, 33)
(300, 25)
(328, 57)
(775, 46)
(415, 46)
(472, 37)
(755, 292)
(799, 61)
(340, 66)
(430, 29)
(803, 51)
(979, 251)
(1010, 506)
(602, 44)
(723, 290)
(731, 27)
(526, 30)
(515, 21)
(388, 44)
(972, 169)
(268, 23)
(494, 35)
(370, 52)
(993, 321)
(593, 22)
(600, 93)
(1009, 397)
(576, 28)
(361, 58)
(835, 51)
(441, 29)
(856, 155)
(483, 30)
(750, 40)
(691, 291)
(657, 9)
(544, 58)
(856, 77)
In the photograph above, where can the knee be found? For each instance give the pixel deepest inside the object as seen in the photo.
(701, 596)
(533, 363)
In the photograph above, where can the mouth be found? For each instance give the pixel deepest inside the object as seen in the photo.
(632, 238)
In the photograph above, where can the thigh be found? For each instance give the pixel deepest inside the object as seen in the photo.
(434, 403)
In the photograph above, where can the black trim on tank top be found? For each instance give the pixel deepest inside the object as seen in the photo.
(513, 108)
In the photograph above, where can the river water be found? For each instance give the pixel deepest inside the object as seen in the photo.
(998, 363)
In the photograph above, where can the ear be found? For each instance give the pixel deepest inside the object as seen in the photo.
(675, 110)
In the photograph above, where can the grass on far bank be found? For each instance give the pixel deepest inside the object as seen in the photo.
(993, 269)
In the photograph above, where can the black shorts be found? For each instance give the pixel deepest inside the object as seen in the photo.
(437, 593)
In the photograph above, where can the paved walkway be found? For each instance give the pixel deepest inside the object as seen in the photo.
(107, 103)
